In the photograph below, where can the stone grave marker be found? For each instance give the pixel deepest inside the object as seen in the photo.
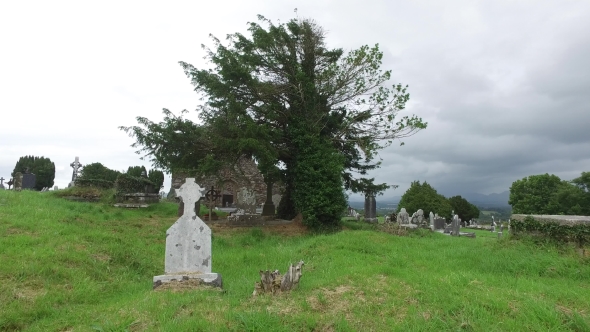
(188, 244)
(75, 165)
(246, 201)
(431, 217)
(403, 217)
(455, 226)
(440, 223)
(2, 183)
(29, 180)
(18, 181)
(370, 208)
(276, 199)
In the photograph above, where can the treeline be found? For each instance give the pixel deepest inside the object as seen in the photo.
(548, 194)
(424, 196)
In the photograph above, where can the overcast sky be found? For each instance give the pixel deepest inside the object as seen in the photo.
(503, 85)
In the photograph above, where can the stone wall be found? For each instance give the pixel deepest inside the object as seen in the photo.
(230, 180)
(560, 219)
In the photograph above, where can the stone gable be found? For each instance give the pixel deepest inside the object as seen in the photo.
(229, 181)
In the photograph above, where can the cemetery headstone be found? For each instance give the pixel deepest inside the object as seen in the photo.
(18, 181)
(29, 180)
(55, 188)
(439, 223)
(403, 217)
(431, 217)
(2, 183)
(276, 199)
(455, 226)
(10, 183)
(370, 208)
(188, 244)
(75, 165)
(246, 201)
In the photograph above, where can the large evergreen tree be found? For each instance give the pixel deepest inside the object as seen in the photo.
(43, 168)
(424, 196)
(275, 93)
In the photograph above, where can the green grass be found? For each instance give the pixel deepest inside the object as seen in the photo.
(70, 266)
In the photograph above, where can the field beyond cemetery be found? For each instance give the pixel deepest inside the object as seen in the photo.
(71, 266)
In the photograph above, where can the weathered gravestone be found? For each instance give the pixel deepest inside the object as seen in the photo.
(440, 223)
(403, 218)
(276, 199)
(188, 245)
(431, 217)
(246, 208)
(2, 183)
(75, 165)
(455, 226)
(370, 208)
(18, 181)
(29, 180)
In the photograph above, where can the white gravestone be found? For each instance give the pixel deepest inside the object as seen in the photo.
(276, 199)
(403, 217)
(188, 243)
(431, 215)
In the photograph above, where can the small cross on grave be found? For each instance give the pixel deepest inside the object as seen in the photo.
(10, 183)
(212, 196)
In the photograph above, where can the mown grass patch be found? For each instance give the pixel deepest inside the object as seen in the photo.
(74, 266)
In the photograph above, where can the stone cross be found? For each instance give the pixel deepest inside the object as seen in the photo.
(10, 183)
(76, 166)
(1, 183)
(188, 243)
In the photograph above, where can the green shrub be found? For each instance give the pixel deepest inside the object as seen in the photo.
(97, 171)
(157, 177)
(99, 183)
(579, 233)
(127, 184)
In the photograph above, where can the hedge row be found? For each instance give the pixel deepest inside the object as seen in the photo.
(578, 233)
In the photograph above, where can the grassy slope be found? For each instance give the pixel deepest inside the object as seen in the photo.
(80, 266)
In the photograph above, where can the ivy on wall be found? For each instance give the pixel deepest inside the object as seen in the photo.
(578, 233)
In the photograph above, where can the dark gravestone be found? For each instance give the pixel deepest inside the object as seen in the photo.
(439, 223)
(370, 208)
(2, 183)
(29, 181)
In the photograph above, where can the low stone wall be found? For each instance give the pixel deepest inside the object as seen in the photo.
(560, 219)
(138, 198)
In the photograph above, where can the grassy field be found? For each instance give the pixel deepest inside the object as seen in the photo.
(68, 266)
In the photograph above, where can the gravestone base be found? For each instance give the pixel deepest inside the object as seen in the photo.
(371, 220)
(411, 226)
(189, 280)
(131, 206)
(246, 219)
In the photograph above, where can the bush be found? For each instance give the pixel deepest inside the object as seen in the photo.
(157, 177)
(578, 233)
(127, 184)
(97, 171)
(43, 168)
(103, 184)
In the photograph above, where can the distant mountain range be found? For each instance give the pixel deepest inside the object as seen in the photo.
(480, 200)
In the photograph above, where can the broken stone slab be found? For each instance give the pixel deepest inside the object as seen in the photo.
(206, 279)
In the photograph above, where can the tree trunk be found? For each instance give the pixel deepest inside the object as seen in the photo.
(275, 283)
